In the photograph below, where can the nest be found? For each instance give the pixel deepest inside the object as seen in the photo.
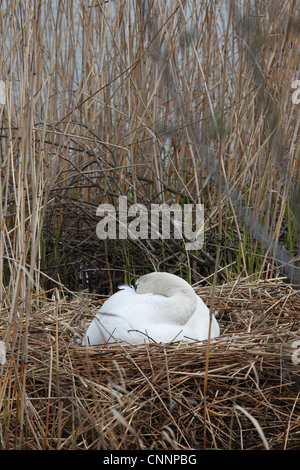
(155, 396)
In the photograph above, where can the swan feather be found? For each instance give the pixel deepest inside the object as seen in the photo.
(153, 311)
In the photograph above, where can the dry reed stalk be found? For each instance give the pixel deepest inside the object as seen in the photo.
(133, 99)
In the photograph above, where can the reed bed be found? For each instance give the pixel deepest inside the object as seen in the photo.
(66, 396)
(162, 102)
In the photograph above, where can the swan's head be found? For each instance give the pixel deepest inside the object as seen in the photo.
(165, 284)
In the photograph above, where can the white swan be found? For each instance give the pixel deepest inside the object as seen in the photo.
(161, 307)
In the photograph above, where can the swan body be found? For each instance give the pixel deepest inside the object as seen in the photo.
(161, 307)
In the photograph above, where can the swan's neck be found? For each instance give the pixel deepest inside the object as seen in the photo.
(174, 300)
(176, 308)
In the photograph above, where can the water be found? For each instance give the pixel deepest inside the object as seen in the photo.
(63, 26)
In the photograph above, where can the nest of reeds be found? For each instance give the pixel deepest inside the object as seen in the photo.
(153, 396)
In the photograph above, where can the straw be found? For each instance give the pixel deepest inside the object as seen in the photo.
(151, 396)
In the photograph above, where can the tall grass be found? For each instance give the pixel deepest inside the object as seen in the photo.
(156, 101)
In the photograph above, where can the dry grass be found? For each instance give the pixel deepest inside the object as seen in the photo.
(151, 397)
